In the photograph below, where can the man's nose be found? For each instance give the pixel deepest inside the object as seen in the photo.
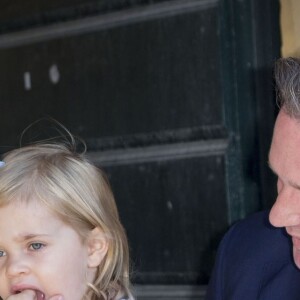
(17, 265)
(286, 209)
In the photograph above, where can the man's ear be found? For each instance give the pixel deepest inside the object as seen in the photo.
(97, 247)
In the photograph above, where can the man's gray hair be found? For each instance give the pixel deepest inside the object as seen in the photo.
(287, 78)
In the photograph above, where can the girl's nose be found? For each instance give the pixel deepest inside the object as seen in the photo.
(16, 265)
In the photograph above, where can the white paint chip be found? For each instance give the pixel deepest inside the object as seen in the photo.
(54, 74)
(27, 81)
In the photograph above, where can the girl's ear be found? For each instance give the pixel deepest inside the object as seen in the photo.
(97, 247)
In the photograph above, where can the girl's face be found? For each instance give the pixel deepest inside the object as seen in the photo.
(39, 252)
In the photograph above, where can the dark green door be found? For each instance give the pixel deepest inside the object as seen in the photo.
(175, 101)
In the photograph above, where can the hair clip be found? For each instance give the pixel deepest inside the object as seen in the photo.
(2, 163)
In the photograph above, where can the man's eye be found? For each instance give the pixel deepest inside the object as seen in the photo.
(2, 253)
(36, 246)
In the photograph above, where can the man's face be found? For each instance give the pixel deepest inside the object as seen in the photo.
(41, 253)
(284, 159)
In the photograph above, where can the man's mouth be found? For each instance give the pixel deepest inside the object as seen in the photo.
(295, 238)
(296, 242)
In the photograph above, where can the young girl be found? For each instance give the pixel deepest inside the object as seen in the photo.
(60, 233)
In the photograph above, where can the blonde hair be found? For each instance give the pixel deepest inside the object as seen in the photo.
(78, 193)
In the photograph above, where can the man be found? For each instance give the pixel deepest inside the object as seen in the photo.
(259, 258)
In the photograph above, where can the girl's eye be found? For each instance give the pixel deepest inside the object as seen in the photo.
(2, 253)
(36, 246)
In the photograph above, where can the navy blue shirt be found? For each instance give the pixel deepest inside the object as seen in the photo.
(255, 261)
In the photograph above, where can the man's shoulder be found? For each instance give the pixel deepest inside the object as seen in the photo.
(257, 225)
(255, 261)
(255, 235)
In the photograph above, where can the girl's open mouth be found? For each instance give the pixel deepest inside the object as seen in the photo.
(39, 295)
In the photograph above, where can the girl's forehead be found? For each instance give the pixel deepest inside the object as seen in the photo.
(29, 210)
(29, 219)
